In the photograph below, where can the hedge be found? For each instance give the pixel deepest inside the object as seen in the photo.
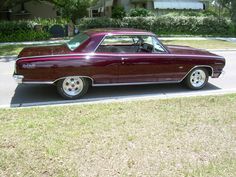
(165, 25)
(16, 31)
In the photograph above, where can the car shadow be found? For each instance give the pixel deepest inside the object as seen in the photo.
(33, 95)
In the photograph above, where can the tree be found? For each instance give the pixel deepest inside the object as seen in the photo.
(230, 5)
(7, 4)
(233, 8)
(118, 12)
(70, 9)
(226, 4)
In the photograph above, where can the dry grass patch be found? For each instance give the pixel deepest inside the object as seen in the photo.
(175, 137)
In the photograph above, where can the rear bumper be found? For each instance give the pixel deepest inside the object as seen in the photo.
(18, 78)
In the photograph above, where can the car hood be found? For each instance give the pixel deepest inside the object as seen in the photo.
(44, 50)
(185, 50)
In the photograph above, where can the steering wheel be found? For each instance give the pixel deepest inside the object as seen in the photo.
(139, 43)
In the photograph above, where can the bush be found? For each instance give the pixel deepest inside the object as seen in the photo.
(118, 12)
(192, 13)
(165, 25)
(140, 12)
(20, 36)
(50, 21)
(17, 31)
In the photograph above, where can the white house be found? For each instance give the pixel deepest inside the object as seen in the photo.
(104, 7)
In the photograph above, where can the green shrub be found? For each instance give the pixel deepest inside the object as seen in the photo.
(7, 28)
(50, 21)
(21, 36)
(118, 12)
(192, 13)
(140, 12)
(165, 25)
(17, 31)
(87, 23)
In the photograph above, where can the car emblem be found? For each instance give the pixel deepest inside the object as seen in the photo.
(28, 65)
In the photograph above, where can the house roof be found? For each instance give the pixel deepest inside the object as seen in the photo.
(178, 4)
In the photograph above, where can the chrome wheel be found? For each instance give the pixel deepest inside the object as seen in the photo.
(72, 86)
(198, 78)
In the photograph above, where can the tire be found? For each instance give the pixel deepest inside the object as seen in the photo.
(72, 87)
(197, 79)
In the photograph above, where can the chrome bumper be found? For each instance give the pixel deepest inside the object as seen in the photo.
(18, 78)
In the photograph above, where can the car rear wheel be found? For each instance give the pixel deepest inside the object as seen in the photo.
(197, 78)
(72, 87)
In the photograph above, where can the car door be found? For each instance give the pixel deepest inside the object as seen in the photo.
(156, 65)
(107, 60)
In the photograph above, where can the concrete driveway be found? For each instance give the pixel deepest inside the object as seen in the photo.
(13, 95)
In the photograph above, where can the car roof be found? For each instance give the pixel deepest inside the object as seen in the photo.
(116, 31)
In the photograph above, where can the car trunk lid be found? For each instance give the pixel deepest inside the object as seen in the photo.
(44, 51)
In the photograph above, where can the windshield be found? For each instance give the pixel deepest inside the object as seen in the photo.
(77, 41)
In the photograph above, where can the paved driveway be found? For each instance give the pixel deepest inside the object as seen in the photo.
(14, 95)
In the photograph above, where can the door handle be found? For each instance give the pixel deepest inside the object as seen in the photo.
(123, 60)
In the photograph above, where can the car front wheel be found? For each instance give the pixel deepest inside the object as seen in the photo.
(197, 78)
(72, 87)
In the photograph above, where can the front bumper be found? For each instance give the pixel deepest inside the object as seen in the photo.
(18, 78)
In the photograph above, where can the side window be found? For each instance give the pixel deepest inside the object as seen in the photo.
(118, 40)
(145, 44)
(130, 44)
(157, 47)
(147, 40)
(118, 44)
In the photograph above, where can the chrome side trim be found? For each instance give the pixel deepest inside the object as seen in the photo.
(110, 54)
(47, 83)
(136, 83)
(59, 55)
(53, 82)
(120, 84)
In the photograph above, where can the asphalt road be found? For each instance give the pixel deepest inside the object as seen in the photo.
(13, 95)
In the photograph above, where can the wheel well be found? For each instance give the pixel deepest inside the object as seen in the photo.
(209, 69)
(90, 80)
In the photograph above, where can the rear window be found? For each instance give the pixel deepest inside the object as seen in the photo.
(77, 41)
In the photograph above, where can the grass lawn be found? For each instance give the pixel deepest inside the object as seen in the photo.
(175, 137)
(203, 44)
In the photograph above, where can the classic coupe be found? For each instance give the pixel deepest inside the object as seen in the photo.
(105, 57)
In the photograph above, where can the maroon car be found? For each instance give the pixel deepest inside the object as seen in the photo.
(104, 57)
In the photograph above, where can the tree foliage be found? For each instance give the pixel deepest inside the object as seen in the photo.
(230, 5)
(70, 9)
(140, 12)
(118, 12)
